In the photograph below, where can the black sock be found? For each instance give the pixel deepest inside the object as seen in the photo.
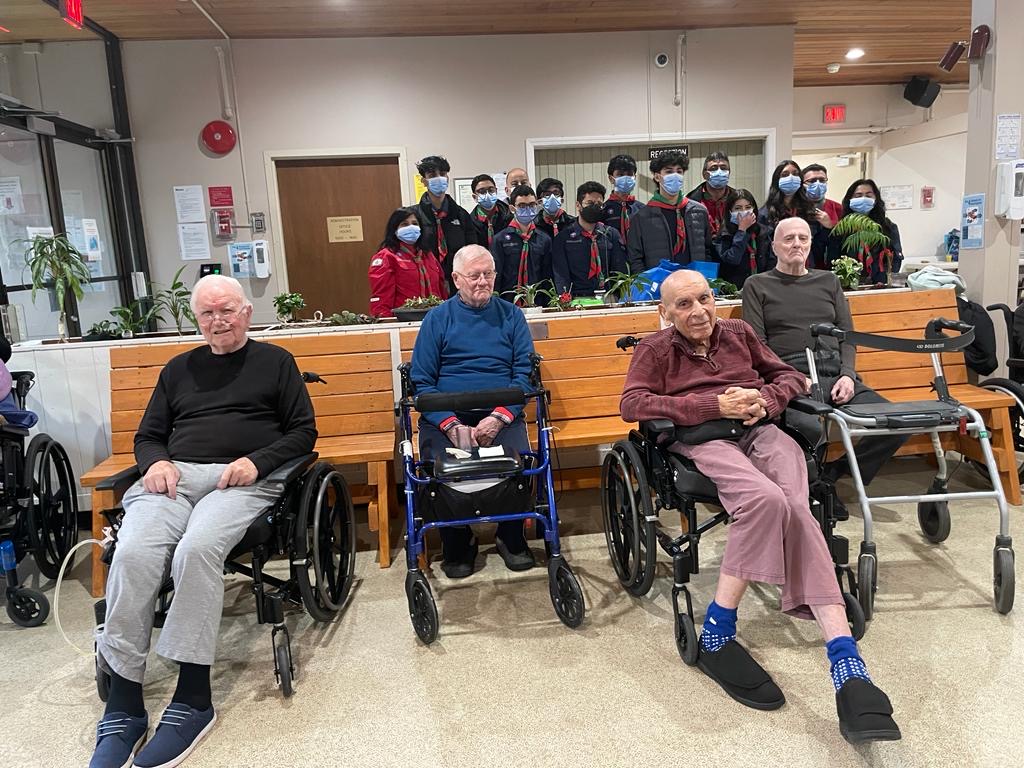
(193, 686)
(125, 696)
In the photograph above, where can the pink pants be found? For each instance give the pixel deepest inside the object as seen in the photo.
(773, 537)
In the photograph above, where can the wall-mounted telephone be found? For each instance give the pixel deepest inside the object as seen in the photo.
(261, 258)
(1010, 190)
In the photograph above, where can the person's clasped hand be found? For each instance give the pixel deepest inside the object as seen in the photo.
(745, 404)
(842, 390)
(488, 428)
(461, 437)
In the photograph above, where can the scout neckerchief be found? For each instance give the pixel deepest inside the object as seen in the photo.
(523, 278)
(659, 201)
(595, 253)
(625, 202)
(716, 212)
(482, 215)
(416, 255)
(553, 221)
(442, 244)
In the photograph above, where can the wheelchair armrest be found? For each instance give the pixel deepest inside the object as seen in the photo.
(19, 375)
(292, 469)
(807, 405)
(120, 482)
(655, 429)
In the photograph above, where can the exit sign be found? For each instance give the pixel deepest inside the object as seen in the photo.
(833, 114)
(71, 10)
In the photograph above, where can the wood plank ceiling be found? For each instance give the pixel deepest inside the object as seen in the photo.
(890, 31)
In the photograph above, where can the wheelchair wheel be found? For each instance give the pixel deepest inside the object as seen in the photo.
(686, 639)
(866, 582)
(324, 540)
(284, 670)
(422, 608)
(628, 518)
(855, 616)
(933, 518)
(1016, 391)
(53, 504)
(27, 607)
(1003, 579)
(566, 594)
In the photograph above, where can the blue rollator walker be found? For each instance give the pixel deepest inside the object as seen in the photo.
(480, 486)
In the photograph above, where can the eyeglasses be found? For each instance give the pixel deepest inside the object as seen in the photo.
(210, 315)
(487, 191)
(527, 207)
(474, 276)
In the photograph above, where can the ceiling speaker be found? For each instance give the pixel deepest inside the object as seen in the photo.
(921, 92)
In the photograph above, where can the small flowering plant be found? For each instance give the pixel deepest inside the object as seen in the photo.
(563, 300)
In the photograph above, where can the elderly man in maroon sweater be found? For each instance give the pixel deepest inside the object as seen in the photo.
(703, 369)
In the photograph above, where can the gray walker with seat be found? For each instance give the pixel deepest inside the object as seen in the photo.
(932, 417)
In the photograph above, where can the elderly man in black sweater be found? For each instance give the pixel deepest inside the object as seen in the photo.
(221, 418)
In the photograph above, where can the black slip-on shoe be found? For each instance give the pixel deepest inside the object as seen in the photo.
(733, 668)
(463, 566)
(516, 561)
(865, 713)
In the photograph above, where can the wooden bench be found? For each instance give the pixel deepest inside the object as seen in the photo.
(354, 417)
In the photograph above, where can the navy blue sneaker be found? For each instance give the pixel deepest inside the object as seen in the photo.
(118, 735)
(180, 730)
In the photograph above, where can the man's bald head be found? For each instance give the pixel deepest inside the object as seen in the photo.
(792, 245)
(688, 303)
(792, 223)
(679, 280)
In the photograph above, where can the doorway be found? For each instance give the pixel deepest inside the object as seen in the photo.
(844, 166)
(333, 214)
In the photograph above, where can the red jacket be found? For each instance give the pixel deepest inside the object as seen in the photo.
(832, 208)
(395, 277)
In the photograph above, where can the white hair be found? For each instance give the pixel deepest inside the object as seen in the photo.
(468, 253)
(222, 282)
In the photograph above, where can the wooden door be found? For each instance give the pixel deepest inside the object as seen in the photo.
(331, 276)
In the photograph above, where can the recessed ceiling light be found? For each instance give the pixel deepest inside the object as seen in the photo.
(854, 53)
(832, 68)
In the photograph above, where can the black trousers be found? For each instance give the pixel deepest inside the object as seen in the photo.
(455, 540)
(872, 452)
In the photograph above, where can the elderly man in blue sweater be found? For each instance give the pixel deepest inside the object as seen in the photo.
(474, 341)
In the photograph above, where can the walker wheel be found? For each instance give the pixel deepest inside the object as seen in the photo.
(422, 608)
(27, 607)
(866, 582)
(686, 639)
(855, 616)
(1003, 579)
(566, 595)
(933, 517)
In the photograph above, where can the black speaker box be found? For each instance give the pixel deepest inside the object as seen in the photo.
(921, 92)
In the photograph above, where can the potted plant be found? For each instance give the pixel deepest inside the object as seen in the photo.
(104, 330)
(287, 305)
(175, 301)
(525, 296)
(345, 317)
(848, 271)
(861, 235)
(135, 318)
(724, 289)
(56, 259)
(626, 285)
(416, 307)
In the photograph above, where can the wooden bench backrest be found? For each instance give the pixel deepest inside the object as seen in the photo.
(357, 398)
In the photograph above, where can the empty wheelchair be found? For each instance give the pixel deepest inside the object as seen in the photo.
(933, 417)
(311, 524)
(641, 478)
(482, 486)
(38, 503)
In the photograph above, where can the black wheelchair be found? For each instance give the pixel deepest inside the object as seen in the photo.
(38, 509)
(312, 525)
(640, 478)
(1013, 385)
(480, 488)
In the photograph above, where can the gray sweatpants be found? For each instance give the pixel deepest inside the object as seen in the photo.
(188, 537)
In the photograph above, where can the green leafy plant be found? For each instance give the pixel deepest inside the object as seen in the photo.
(175, 300)
(345, 317)
(724, 289)
(625, 284)
(136, 317)
(859, 233)
(105, 329)
(526, 296)
(848, 271)
(287, 304)
(422, 302)
(54, 259)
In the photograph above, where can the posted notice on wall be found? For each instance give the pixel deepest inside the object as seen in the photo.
(188, 202)
(91, 233)
(194, 241)
(240, 256)
(344, 229)
(221, 197)
(972, 222)
(1007, 137)
(11, 201)
(34, 232)
(898, 197)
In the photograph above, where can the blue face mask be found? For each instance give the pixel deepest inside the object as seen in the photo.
(552, 204)
(718, 179)
(526, 215)
(862, 204)
(789, 184)
(437, 185)
(625, 184)
(816, 190)
(672, 183)
(487, 200)
(734, 216)
(409, 233)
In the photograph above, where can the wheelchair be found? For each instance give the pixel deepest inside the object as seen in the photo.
(480, 488)
(640, 478)
(944, 414)
(312, 524)
(38, 506)
(1013, 385)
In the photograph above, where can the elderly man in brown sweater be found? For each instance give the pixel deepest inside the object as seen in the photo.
(703, 369)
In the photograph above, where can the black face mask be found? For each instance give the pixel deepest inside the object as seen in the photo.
(592, 214)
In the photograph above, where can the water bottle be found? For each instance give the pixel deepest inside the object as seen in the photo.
(8, 559)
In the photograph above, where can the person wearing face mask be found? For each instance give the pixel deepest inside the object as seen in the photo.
(522, 251)
(584, 254)
(715, 188)
(742, 248)
(670, 227)
(815, 179)
(552, 218)
(878, 261)
(404, 267)
(515, 177)
(491, 215)
(449, 225)
(786, 199)
(622, 205)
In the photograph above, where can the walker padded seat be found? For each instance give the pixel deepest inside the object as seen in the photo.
(451, 468)
(916, 413)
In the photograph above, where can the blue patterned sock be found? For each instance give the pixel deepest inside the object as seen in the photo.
(719, 627)
(845, 660)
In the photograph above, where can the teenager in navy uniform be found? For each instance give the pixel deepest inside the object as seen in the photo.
(450, 226)
(522, 252)
(588, 251)
(714, 190)
(491, 215)
(552, 218)
(622, 204)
